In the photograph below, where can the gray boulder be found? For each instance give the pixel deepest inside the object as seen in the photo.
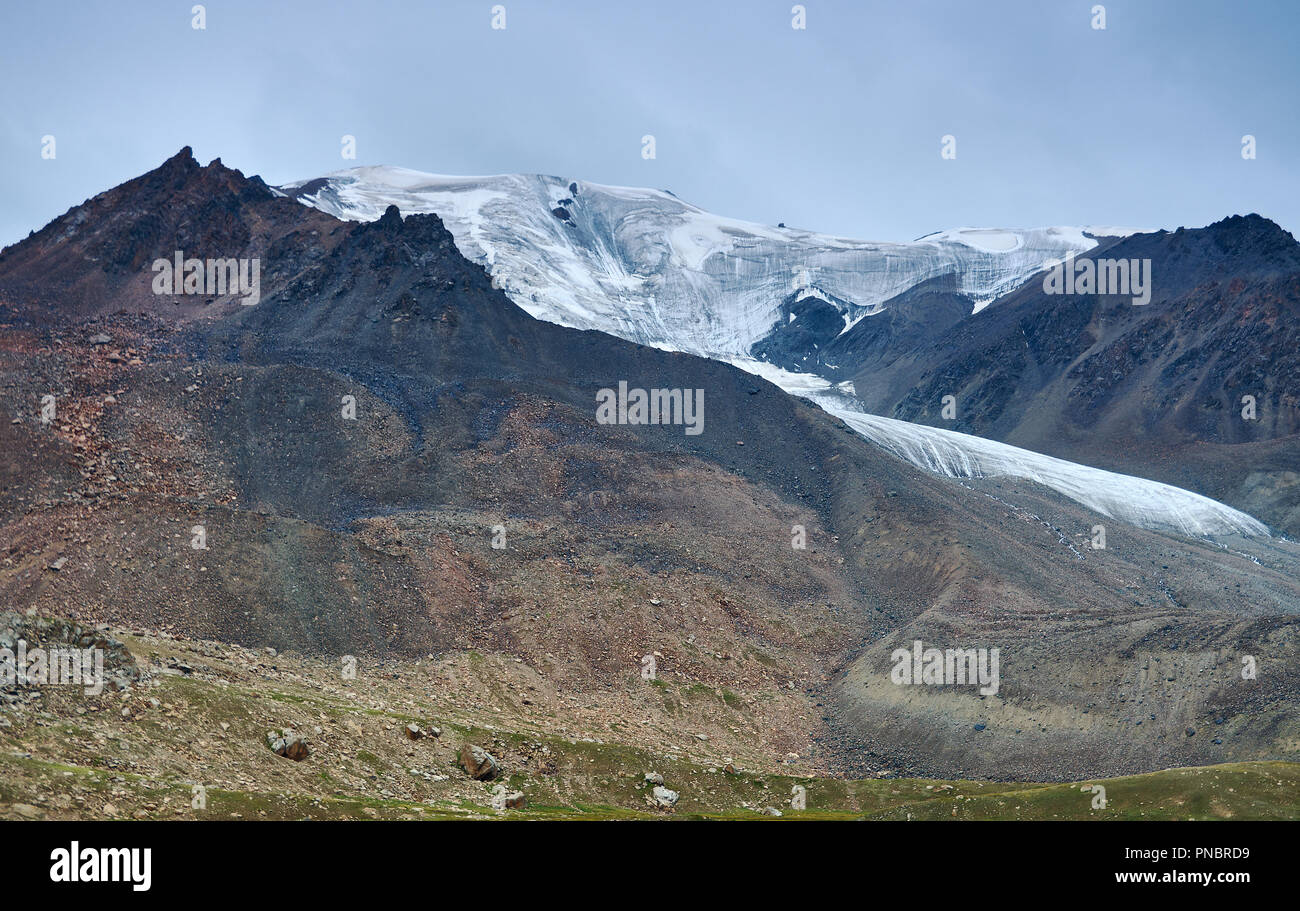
(663, 798)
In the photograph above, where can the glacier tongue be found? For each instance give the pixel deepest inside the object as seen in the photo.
(1138, 501)
(649, 268)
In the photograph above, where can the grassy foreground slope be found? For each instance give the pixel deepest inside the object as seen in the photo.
(198, 712)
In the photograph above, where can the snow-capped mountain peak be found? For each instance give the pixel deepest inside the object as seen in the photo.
(651, 268)
(645, 266)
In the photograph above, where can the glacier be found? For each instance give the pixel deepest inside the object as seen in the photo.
(1137, 501)
(653, 269)
(645, 266)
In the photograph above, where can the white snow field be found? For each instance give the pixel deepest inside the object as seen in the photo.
(648, 267)
(1147, 504)
(644, 266)
(1138, 501)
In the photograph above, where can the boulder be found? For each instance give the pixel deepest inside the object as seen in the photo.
(287, 743)
(478, 763)
(663, 798)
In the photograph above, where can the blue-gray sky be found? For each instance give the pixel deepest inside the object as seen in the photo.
(835, 128)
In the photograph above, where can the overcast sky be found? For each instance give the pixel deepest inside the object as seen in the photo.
(835, 128)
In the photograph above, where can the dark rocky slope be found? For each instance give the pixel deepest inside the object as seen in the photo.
(373, 535)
